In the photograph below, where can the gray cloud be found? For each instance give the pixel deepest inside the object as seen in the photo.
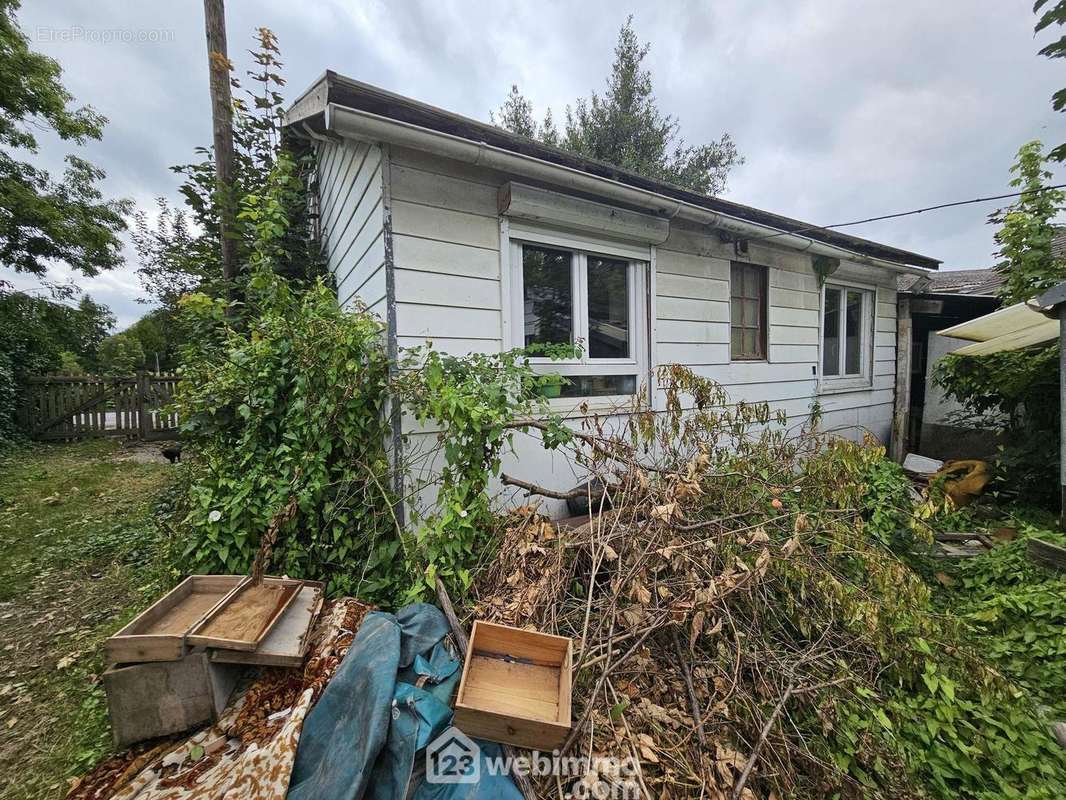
(843, 108)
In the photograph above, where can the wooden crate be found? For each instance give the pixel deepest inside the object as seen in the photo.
(246, 616)
(515, 687)
(158, 632)
(157, 699)
(286, 645)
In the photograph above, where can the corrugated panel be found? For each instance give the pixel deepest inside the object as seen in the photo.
(1009, 328)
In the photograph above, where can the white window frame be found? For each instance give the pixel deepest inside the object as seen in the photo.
(581, 247)
(864, 378)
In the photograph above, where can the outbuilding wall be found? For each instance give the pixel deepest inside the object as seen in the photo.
(446, 235)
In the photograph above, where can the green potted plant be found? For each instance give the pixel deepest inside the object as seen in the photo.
(551, 385)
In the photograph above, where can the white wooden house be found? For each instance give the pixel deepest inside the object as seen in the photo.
(480, 240)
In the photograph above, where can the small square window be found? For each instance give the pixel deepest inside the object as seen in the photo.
(748, 312)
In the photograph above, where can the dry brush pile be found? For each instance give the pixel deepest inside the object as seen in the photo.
(739, 633)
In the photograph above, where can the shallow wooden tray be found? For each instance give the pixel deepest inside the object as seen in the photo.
(515, 687)
(158, 632)
(286, 644)
(243, 620)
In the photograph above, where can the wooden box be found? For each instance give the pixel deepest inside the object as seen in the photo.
(286, 645)
(158, 632)
(515, 687)
(246, 615)
(157, 699)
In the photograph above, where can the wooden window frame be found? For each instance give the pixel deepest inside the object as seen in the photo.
(764, 310)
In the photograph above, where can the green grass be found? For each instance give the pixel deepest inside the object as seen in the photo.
(80, 553)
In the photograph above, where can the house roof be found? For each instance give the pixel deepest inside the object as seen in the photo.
(333, 88)
(969, 282)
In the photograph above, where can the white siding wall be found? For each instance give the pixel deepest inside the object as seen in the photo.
(446, 243)
(692, 306)
(446, 251)
(352, 220)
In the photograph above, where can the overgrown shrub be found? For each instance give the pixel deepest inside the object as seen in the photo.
(768, 562)
(286, 415)
(479, 402)
(1017, 613)
(283, 400)
(1017, 392)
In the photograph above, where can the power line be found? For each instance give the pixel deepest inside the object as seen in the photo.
(899, 214)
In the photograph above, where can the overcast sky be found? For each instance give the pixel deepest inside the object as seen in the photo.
(843, 109)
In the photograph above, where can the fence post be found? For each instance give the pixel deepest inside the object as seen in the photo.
(144, 424)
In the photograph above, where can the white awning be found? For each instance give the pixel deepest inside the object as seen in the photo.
(1010, 328)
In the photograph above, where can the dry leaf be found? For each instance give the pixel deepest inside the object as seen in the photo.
(66, 661)
(665, 512)
(697, 627)
(789, 547)
(609, 553)
(759, 537)
(945, 579)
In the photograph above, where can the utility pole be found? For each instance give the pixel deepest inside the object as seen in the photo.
(222, 124)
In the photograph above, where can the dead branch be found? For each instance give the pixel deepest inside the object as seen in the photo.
(576, 730)
(532, 488)
(686, 673)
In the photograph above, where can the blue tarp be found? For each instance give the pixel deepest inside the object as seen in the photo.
(388, 699)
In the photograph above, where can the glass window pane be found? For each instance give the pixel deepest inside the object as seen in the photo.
(831, 333)
(608, 303)
(747, 310)
(547, 294)
(751, 342)
(853, 335)
(599, 385)
(751, 313)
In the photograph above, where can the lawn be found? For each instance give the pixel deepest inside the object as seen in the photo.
(79, 554)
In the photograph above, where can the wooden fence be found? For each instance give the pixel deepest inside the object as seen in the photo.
(69, 407)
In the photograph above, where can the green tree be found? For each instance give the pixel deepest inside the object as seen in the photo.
(39, 335)
(69, 364)
(160, 335)
(179, 252)
(1027, 264)
(1015, 391)
(625, 127)
(120, 355)
(42, 219)
(1053, 15)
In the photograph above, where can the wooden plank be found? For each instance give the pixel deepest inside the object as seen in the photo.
(158, 632)
(286, 644)
(444, 225)
(431, 288)
(447, 258)
(246, 616)
(443, 321)
(902, 399)
(1046, 554)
